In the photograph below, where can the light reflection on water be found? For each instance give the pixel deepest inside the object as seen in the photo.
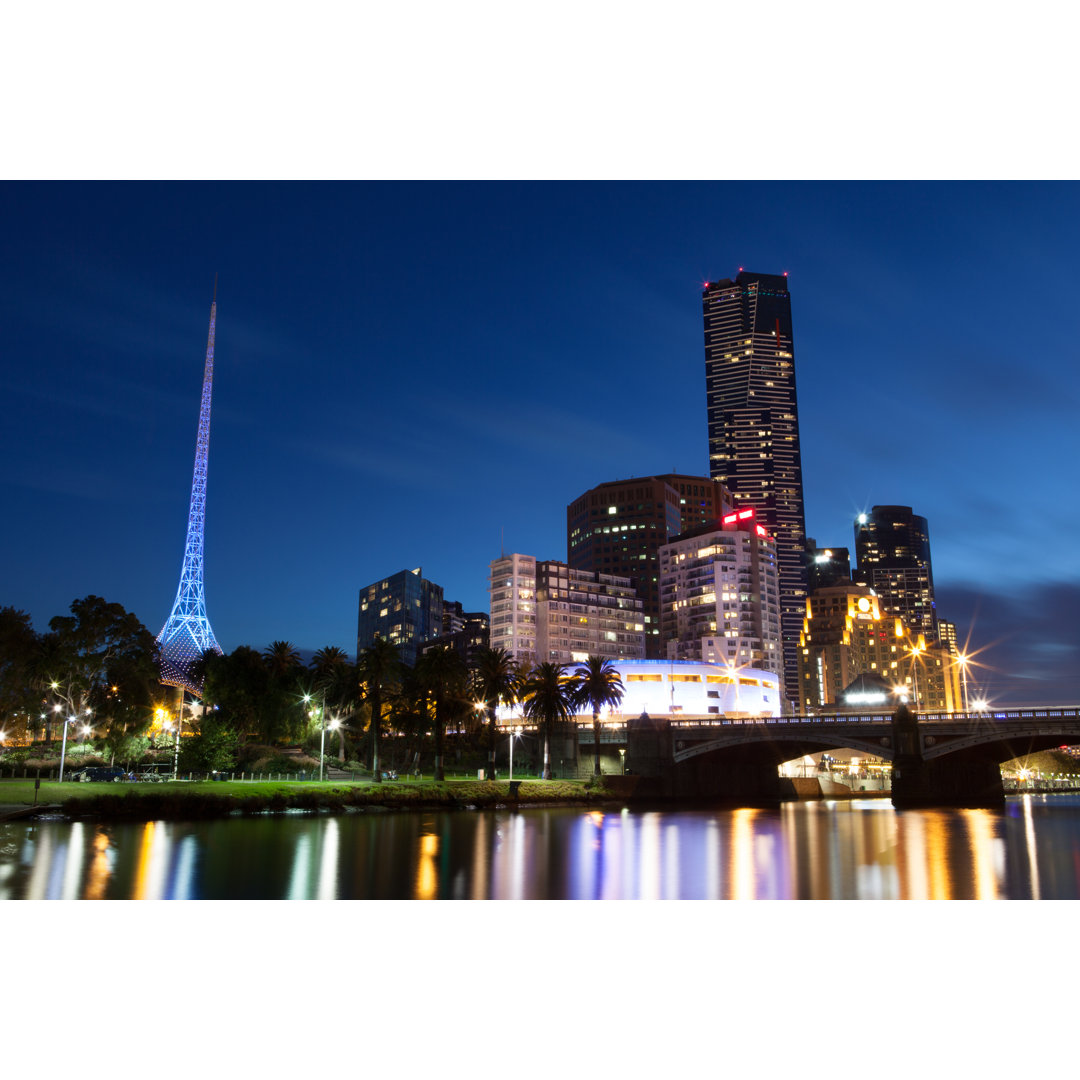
(854, 850)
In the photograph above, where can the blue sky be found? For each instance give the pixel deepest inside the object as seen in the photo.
(412, 374)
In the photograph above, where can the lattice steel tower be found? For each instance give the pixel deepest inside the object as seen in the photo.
(187, 634)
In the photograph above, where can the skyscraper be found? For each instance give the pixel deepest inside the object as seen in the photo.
(618, 527)
(580, 614)
(187, 633)
(720, 602)
(754, 427)
(826, 566)
(512, 589)
(406, 609)
(892, 556)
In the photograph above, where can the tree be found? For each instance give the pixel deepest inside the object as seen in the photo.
(281, 659)
(20, 700)
(238, 685)
(99, 662)
(213, 748)
(379, 667)
(548, 701)
(198, 667)
(596, 683)
(281, 718)
(444, 679)
(497, 683)
(337, 683)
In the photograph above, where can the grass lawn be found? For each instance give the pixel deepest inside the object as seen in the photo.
(219, 798)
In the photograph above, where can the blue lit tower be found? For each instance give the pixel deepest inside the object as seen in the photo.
(187, 634)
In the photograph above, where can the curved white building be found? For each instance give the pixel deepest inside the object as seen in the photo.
(684, 689)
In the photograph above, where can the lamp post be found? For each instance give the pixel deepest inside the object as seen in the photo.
(962, 660)
(334, 724)
(176, 748)
(63, 746)
(915, 652)
(320, 712)
(514, 733)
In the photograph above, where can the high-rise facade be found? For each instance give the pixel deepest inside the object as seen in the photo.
(753, 424)
(406, 609)
(466, 632)
(544, 611)
(719, 595)
(618, 528)
(512, 589)
(581, 614)
(826, 566)
(892, 556)
(847, 634)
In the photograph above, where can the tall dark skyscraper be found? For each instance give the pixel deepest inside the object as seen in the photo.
(892, 556)
(754, 427)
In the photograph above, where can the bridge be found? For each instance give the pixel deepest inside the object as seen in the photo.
(939, 759)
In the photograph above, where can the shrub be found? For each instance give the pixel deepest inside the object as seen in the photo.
(214, 748)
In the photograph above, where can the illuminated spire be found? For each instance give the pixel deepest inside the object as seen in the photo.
(187, 634)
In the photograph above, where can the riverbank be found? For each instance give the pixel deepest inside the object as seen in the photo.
(218, 799)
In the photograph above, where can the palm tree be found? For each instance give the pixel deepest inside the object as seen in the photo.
(281, 658)
(497, 683)
(596, 683)
(443, 676)
(548, 700)
(327, 660)
(380, 668)
(338, 683)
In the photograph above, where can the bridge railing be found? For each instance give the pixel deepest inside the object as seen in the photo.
(616, 733)
(997, 715)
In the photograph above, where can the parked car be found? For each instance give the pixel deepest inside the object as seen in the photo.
(100, 774)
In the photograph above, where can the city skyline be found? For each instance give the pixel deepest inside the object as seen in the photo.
(466, 359)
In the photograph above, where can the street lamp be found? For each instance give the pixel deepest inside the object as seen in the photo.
(319, 712)
(915, 652)
(963, 659)
(63, 743)
(179, 724)
(334, 724)
(514, 733)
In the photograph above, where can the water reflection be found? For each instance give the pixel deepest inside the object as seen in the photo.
(852, 850)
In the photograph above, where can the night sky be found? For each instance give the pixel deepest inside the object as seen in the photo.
(423, 374)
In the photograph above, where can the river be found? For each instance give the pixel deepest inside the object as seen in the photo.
(862, 849)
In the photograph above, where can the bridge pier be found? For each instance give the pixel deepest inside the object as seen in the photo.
(956, 780)
(751, 778)
(748, 782)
